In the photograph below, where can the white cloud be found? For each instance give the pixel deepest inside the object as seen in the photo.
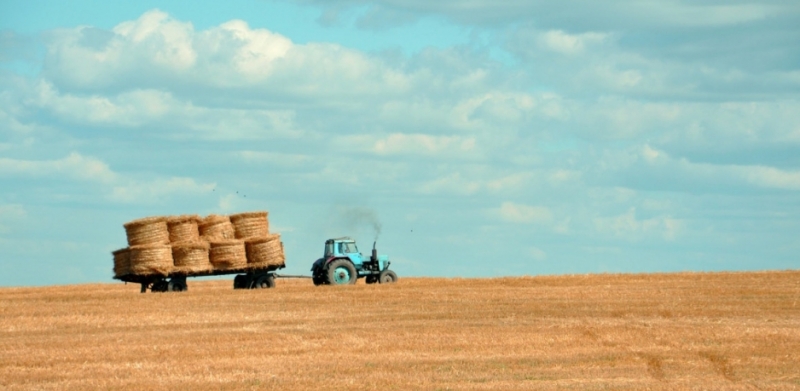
(748, 175)
(565, 43)
(75, 166)
(159, 188)
(450, 184)
(9, 214)
(609, 14)
(276, 158)
(537, 253)
(86, 168)
(628, 226)
(412, 144)
(524, 214)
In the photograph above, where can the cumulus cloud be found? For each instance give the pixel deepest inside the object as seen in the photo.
(628, 226)
(157, 51)
(10, 213)
(650, 168)
(75, 166)
(120, 188)
(144, 191)
(453, 183)
(524, 214)
(579, 14)
(628, 124)
(566, 43)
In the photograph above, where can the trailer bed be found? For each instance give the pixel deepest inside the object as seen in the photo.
(163, 283)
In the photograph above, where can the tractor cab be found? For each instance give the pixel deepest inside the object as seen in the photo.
(342, 263)
(343, 247)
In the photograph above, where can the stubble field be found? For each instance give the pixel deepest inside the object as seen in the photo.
(656, 331)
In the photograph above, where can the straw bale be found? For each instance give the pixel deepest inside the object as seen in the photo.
(149, 230)
(183, 228)
(250, 224)
(154, 259)
(216, 228)
(228, 254)
(122, 262)
(191, 257)
(265, 251)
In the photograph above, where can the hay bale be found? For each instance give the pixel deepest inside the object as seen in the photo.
(122, 262)
(191, 257)
(183, 228)
(250, 224)
(216, 228)
(153, 259)
(265, 251)
(149, 230)
(228, 254)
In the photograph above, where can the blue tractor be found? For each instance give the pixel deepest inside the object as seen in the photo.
(343, 264)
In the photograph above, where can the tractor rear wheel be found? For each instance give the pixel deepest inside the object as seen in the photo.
(387, 277)
(341, 272)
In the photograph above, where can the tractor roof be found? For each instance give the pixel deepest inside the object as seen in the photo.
(342, 239)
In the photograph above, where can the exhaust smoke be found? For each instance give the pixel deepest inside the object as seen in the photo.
(355, 218)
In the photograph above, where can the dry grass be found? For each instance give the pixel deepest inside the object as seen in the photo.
(726, 331)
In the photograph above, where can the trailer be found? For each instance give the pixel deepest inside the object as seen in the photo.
(246, 278)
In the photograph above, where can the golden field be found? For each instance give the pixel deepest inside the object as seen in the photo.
(703, 331)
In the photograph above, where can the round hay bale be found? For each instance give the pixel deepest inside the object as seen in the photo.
(228, 254)
(216, 228)
(250, 224)
(153, 259)
(122, 262)
(191, 257)
(265, 251)
(183, 228)
(149, 230)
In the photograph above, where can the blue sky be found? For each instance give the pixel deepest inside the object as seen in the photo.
(486, 137)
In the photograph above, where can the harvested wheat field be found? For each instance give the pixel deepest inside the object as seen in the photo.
(731, 331)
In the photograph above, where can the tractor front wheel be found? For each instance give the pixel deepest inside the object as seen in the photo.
(341, 272)
(387, 277)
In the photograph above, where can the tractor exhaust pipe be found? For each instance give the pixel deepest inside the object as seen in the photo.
(374, 252)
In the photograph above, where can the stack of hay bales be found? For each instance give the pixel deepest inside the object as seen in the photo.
(188, 244)
(149, 252)
(262, 248)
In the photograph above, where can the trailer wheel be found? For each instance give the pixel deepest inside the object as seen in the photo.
(159, 286)
(239, 282)
(177, 286)
(264, 282)
(341, 272)
(387, 277)
(318, 280)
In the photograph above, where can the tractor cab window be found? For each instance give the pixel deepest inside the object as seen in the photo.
(349, 248)
(328, 249)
